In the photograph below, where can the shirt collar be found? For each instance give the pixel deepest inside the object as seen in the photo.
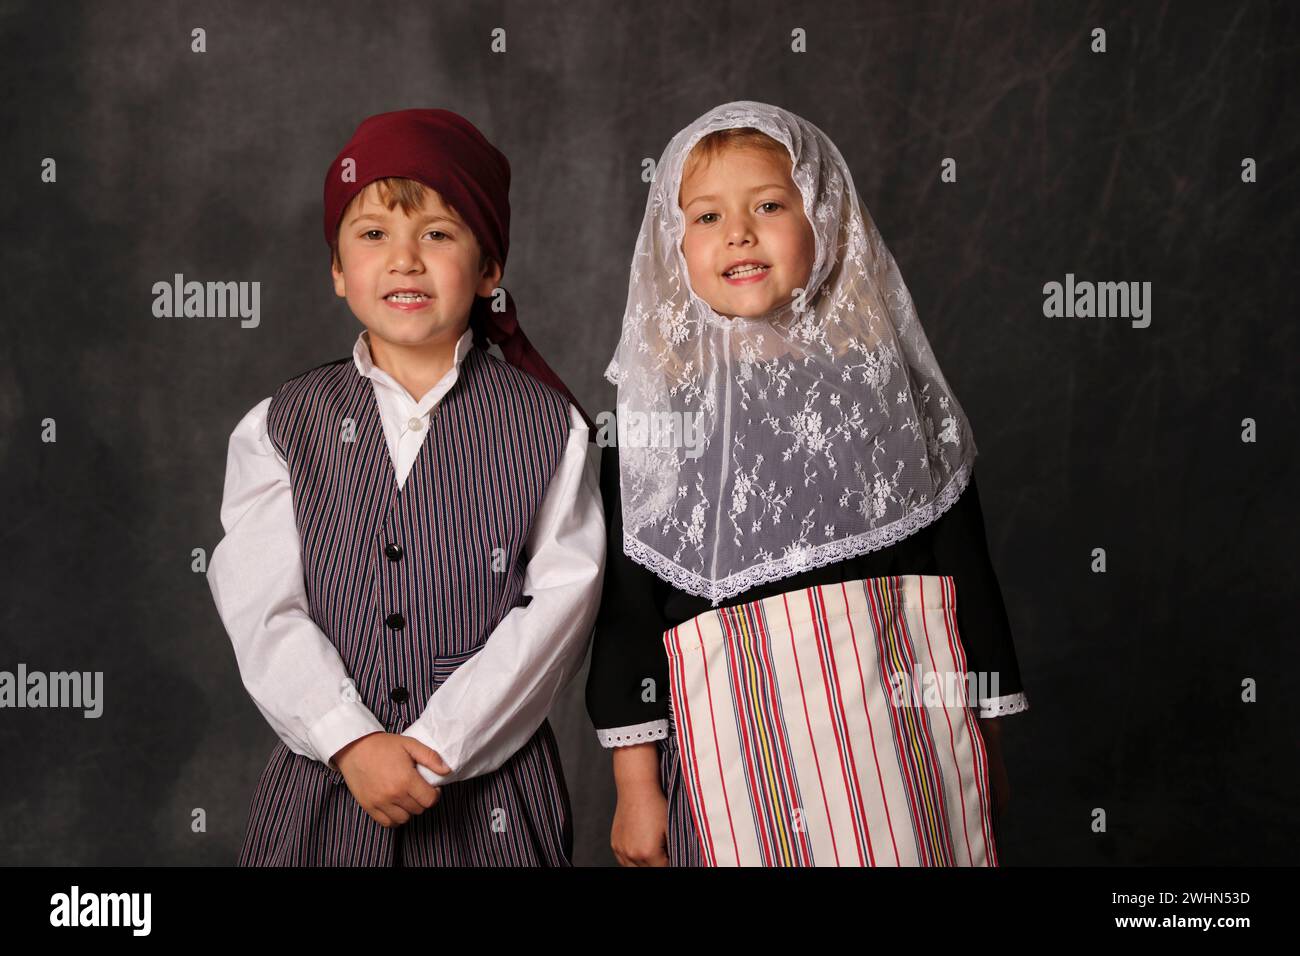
(367, 369)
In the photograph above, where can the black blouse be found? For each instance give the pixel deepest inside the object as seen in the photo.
(637, 606)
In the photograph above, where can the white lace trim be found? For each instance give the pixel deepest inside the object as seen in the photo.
(633, 734)
(829, 553)
(1001, 706)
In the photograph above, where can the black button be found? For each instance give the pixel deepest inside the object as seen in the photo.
(393, 552)
(395, 621)
(399, 695)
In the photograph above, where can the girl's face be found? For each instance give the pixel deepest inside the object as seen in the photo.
(743, 207)
(432, 252)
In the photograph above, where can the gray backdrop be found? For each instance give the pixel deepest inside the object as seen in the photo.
(1116, 166)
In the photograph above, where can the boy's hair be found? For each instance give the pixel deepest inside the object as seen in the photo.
(410, 194)
(393, 190)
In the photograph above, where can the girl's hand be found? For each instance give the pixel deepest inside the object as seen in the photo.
(639, 836)
(640, 833)
(999, 783)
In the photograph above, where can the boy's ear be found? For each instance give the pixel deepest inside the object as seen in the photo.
(491, 276)
(336, 270)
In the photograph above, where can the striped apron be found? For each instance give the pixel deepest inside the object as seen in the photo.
(831, 726)
(409, 584)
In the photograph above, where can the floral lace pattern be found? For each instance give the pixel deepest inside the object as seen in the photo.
(824, 430)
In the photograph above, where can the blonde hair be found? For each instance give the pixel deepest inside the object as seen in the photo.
(713, 145)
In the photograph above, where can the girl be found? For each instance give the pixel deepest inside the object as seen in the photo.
(781, 660)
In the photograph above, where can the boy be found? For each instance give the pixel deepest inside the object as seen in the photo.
(409, 584)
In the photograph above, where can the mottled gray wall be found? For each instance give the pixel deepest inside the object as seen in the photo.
(1122, 166)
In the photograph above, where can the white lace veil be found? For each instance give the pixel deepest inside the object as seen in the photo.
(753, 449)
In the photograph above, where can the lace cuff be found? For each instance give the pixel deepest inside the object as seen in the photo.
(1002, 706)
(634, 734)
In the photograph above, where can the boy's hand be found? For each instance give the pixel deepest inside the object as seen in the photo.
(991, 730)
(380, 771)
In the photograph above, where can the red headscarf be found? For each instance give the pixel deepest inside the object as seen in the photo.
(448, 154)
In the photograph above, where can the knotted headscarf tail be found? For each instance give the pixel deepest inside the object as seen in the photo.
(447, 153)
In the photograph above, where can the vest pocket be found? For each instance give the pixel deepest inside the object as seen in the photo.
(444, 666)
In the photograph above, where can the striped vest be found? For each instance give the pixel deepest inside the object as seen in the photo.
(408, 584)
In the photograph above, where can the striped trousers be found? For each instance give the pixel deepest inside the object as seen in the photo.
(303, 814)
(683, 839)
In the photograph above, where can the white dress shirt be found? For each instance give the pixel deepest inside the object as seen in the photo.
(489, 707)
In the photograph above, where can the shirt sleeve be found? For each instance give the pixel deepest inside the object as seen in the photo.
(289, 666)
(627, 684)
(961, 550)
(490, 705)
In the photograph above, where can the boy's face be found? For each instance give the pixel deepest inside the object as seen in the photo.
(432, 252)
(743, 205)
